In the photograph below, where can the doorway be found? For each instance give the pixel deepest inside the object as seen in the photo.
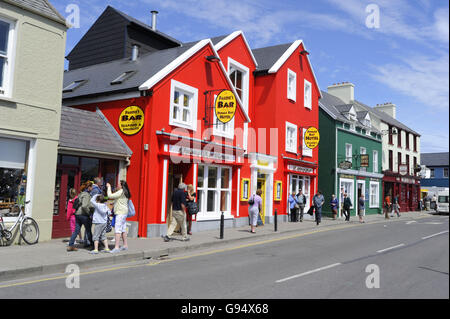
(66, 178)
(360, 191)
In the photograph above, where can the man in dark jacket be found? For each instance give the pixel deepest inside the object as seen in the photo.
(301, 199)
(178, 213)
(347, 205)
(318, 201)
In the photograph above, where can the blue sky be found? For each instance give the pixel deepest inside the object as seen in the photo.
(404, 61)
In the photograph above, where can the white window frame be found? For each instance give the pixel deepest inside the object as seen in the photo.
(376, 203)
(203, 214)
(291, 85)
(351, 193)
(347, 157)
(7, 87)
(375, 161)
(223, 129)
(193, 92)
(293, 148)
(306, 151)
(308, 95)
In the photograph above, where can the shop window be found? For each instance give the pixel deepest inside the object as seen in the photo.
(183, 105)
(89, 169)
(110, 172)
(13, 173)
(70, 160)
(6, 55)
(292, 85)
(214, 191)
(374, 194)
(347, 186)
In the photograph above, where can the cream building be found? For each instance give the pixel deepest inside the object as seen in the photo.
(32, 49)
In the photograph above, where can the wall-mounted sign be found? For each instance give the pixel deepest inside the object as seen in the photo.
(345, 165)
(364, 160)
(403, 169)
(225, 106)
(300, 169)
(278, 191)
(311, 138)
(131, 120)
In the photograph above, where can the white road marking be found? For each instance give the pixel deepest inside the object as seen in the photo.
(442, 232)
(386, 249)
(410, 222)
(433, 223)
(308, 272)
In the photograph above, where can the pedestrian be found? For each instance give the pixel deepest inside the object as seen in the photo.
(73, 195)
(334, 203)
(395, 206)
(99, 220)
(83, 216)
(178, 213)
(121, 197)
(361, 208)
(301, 200)
(293, 205)
(97, 187)
(387, 206)
(434, 202)
(254, 209)
(190, 200)
(427, 202)
(347, 205)
(318, 201)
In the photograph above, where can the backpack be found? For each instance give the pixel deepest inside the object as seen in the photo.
(131, 209)
(76, 204)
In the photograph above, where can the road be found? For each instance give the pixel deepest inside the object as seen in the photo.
(402, 259)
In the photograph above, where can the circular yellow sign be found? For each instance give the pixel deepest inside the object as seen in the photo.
(131, 120)
(312, 138)
(225, 106)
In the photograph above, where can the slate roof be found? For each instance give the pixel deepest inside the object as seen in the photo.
(434, 159)
(42, 7)
(386, 118)
(100, 76)
(90, 131)
(266, 57)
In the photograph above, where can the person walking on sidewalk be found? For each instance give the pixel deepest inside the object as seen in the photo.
(334, 203)
(178, 213)
(99, 220)
(254, 209)
(347, 205)
(361, 208)
(387, 206)
(121, 198)
(83, 216)
(293, 205)
(301, 200)
(318, 201)
(395, 207)
(190, 200)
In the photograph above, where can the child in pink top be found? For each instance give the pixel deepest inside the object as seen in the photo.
(71, 211)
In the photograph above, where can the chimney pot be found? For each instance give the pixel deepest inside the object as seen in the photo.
(154, 13)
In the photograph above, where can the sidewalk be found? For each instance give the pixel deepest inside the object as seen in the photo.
(21, 261)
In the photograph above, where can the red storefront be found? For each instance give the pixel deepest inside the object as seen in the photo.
(407, 188)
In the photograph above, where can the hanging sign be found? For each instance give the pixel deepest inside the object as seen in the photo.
(364, 160)
(131, 120)
(312, 138)
(225, 106)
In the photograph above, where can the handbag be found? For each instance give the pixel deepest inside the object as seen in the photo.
(311, 210)
(251, 200)
(192, 208)
(108, 225)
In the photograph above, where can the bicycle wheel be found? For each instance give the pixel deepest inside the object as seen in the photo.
(29, 231)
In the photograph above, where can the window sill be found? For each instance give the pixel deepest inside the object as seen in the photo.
(7, 99)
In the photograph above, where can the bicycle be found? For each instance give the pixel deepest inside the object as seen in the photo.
(29, 230)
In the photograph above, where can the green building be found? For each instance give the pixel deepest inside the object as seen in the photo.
(350, 153)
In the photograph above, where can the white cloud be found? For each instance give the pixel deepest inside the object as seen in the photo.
(422, 77)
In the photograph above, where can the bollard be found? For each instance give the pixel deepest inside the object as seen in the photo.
(222, 224)
(276, 220)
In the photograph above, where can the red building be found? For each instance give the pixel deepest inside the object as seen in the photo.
(160, 99)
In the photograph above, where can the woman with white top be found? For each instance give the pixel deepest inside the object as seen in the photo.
(120, 197)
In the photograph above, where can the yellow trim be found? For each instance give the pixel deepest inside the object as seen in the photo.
(243, 181)
(275, 198)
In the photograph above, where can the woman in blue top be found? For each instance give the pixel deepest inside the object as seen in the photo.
(293, 205)
(334, 205)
